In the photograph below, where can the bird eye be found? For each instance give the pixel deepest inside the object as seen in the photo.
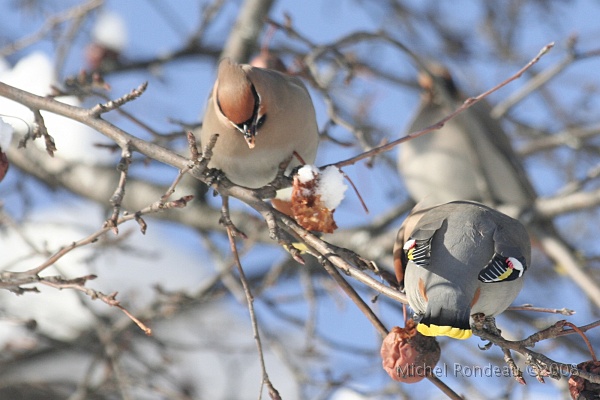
(261, 121)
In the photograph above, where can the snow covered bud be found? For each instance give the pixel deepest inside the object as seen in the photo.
(316, 195)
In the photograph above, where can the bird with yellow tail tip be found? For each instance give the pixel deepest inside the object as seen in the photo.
(459, 259)
(471, 158)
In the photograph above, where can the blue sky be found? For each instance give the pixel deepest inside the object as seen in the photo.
(179, 90)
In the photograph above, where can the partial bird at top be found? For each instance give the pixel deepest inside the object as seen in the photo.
(469, 158)
(108, 40)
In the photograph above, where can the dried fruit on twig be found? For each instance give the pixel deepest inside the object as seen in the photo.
(582, 389)
(315, 195)
(409, 356)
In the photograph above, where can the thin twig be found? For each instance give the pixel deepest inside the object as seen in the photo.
(583, 328)
(114, 104)
(224, 269)
(78, 284)
(15, 279)
(193, 146)
(529, 307)
(330, 253)
(585, 339)
(171, 189)
(112, 354)
(467, 103)
(208, 13)
(39, 130)
(226, 219)
(354, 296)
(443, 387)
(117, 198)
(50, 24)
(542, 365)
(489, 323)
(250, 301)
(158, 137)
(571, 136)
(537, 81)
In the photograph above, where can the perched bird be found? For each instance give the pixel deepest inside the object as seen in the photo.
(459, 259)
(108, 40)
(267, 59)
(469, 158)
(263, 117)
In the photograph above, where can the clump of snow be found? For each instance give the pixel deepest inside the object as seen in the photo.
(33, 73)
(307, 173)
(330, 184)
(6, 132)
(61, 314)
(110, 31)
(4, 65)
(284, 194)
(75, 142)
(331, 187)
(348, 394)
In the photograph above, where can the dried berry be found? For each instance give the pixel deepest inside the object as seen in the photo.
(409, 356)
(582, 389)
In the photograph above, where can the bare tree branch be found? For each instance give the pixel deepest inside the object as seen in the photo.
(243, 40)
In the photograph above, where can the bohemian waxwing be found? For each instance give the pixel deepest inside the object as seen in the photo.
(469, 158)
(262, 117)
(459, 259)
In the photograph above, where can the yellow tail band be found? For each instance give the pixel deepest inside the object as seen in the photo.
(434, 330)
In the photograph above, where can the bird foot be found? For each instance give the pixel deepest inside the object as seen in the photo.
(292, 248)
(214, 175)
(488, 324)
(360, 262)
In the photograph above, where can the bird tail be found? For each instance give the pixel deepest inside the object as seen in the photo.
(440, 321)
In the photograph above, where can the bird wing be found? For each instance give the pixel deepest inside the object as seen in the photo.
(509, 260)
(493, 131)
(418, 247)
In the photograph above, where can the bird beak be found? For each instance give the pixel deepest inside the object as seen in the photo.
(250, 134)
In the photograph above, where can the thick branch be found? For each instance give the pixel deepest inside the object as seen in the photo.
(243, 40)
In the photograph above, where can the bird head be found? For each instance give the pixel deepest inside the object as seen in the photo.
(238, 100)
